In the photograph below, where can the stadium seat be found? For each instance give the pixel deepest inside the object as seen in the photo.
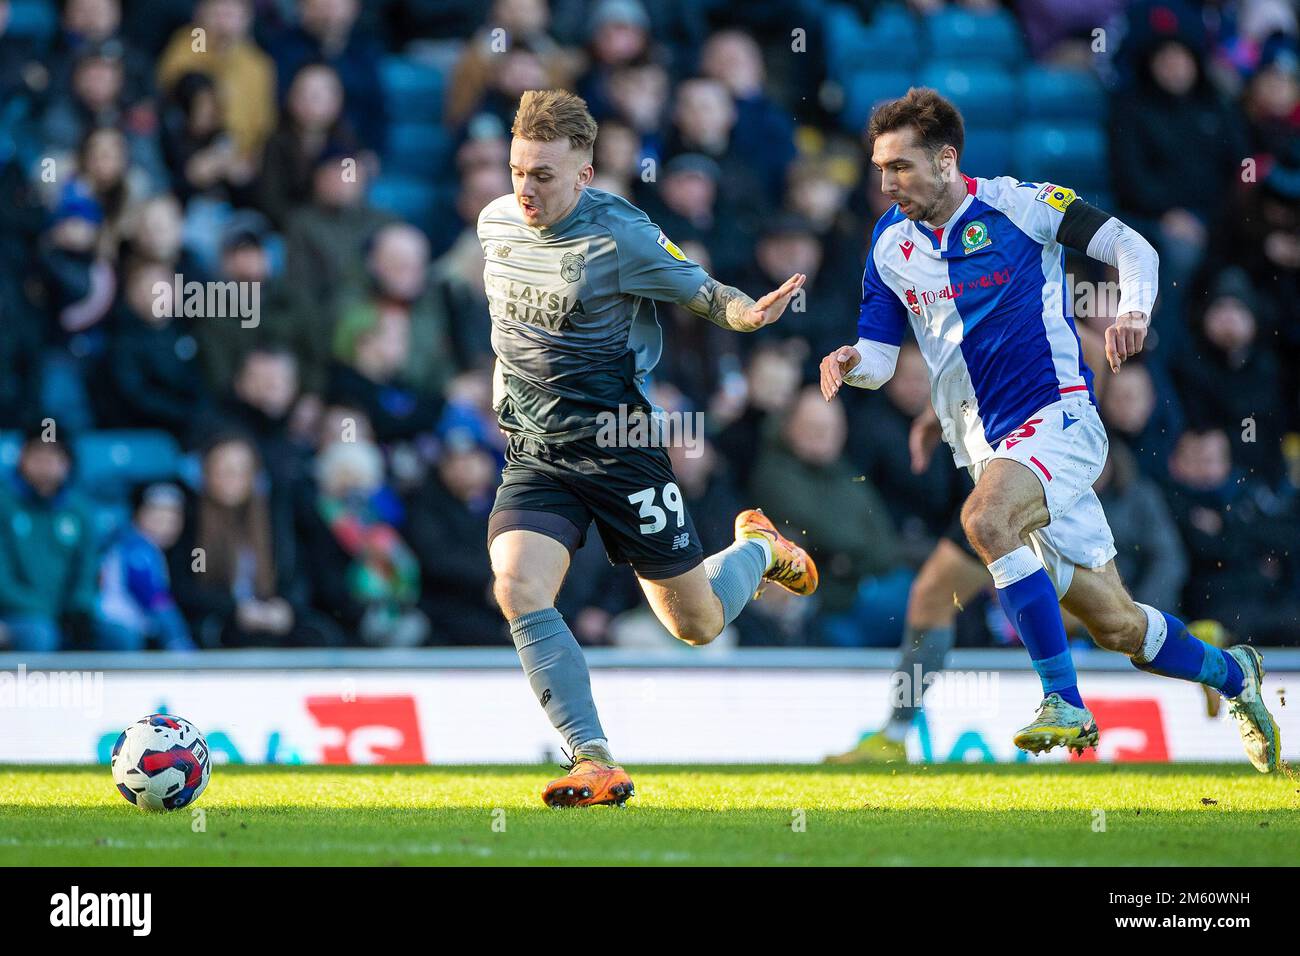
(890, 40)
(420, 203)
(1058, 96)
(987, 153)
(110, 462)
(1071, 154)
(985, 94)
(418, 149)
(32, 19)
(864, 90)
(108, 518)
(10, 445)
(974, 38)
(413, 91)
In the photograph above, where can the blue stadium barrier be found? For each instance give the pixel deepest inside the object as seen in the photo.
(863, 91)
(975, 38)
(1056, 95)
(413, 91)
(985, 93)
(890, 40)
(1071, 154)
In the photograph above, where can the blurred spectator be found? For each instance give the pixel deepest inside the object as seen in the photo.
(764, 131)
(1246, 398)
(922, 504)
(362, 573)
(153, 361)
(325, 240)
(136, 608)
(90, 24)
(619, 35)
(1146, 419)
(223, 49)
(687, 207)
(224, 342)
(372, 347)
(703, 121)
(746, 410)
(1272, 98)
(1241, 549)
(201, 154)
(398, 272)
(448, 531)
(239, 590)
(103, 165)
(77, 290)
(47, 550)
(521, 23)
(1149, 552)
(844, 523)
(1176, 146)
(312, 124)
(820, 310)
(95, 96)
(327, 34)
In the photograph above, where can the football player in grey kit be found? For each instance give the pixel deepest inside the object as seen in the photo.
(571, 275)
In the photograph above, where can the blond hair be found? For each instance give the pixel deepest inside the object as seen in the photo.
(547, 115)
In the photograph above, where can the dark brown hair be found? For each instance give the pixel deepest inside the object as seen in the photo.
(936, 121)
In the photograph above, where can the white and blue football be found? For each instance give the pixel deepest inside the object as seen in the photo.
(161, 762)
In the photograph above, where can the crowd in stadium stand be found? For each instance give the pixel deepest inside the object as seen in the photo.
(318, 468)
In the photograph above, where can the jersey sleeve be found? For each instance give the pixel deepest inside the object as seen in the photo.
(649, 263)
(1037, 208)
(881, 317)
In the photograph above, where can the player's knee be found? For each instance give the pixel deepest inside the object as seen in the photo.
(985, 528)
(1119, 629)
(694, 633)
(518, 594)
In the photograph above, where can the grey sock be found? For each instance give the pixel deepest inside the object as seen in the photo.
(929, 649)
(558, 674)
(735, 574)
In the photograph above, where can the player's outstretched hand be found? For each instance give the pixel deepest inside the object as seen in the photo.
(835, 366)
(769, 308)
(1124, 339)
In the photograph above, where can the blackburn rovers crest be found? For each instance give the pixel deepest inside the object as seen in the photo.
(975, 236)
(571, 267)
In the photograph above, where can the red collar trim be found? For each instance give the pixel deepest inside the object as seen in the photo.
(970, 184)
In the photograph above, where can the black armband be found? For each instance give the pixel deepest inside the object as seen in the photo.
(1079, 224)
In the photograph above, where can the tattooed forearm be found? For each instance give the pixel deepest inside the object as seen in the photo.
(723, 305)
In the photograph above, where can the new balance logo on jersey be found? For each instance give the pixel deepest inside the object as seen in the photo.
(681, 541)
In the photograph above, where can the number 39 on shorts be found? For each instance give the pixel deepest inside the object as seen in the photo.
(658, 519)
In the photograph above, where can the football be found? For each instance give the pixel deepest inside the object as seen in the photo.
(161, 763)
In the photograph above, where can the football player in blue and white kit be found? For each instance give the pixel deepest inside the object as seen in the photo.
(977, 268)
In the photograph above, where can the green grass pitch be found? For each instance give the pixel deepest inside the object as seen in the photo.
(1044, 815)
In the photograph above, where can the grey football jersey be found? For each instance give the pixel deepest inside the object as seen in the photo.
(573, 317)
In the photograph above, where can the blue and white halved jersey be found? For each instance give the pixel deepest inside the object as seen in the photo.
(988, 304)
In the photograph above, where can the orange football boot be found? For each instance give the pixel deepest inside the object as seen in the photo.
(792, 568)
(590, 782)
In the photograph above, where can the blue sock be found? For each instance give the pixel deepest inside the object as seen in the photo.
(1028, 599)
(1171, 650)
